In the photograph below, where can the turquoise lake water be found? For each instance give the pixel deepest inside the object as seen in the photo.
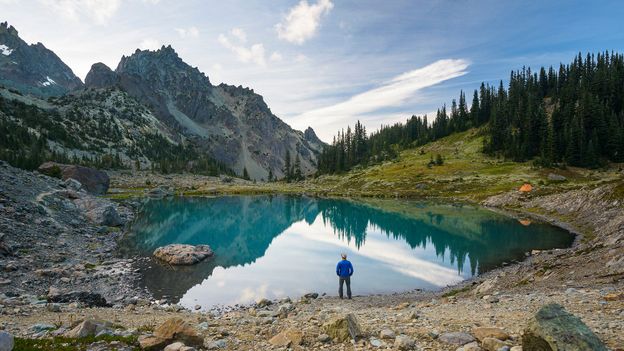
(278, 246)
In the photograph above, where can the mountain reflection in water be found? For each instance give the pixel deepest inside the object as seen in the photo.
(274, 246)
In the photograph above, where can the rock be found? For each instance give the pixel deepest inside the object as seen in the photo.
(456, 338)
(387, 334)
(88, 327)
(486, 286)
(263, 303)
(614, 296)
(490, 299)
(99, 211)
(323, 338)
(151, 342)
(471, 346)
(556, 177)
(516, 348)
(403, 342)
(343, 328)
(181, 254)
(311, 295)
(216, 344)
(376, 342)
(492, 344)
(554, 329)
(39, 327)
(176, 346)
(159, 192)
(485, 332)
(6, 341)
(87, 298)
(5, 248)
(287, 338)
(176, 329)
(73, 184)
(93, 180)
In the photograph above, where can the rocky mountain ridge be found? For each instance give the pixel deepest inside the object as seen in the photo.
(153, 95)
(233, 124)
(33, 69)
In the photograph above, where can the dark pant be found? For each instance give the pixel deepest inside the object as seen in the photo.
(345, 280)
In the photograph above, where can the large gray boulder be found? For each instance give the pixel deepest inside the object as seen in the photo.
(181, 254)
(99, 211)
(93, 180)
(554, 329)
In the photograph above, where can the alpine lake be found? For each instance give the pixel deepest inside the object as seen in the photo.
(278, 246)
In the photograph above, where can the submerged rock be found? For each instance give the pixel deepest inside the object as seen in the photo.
(554, 329)
(180, 254)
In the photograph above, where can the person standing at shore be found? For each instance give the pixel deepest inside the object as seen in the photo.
(344, 271)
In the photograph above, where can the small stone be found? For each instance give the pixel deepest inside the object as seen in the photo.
(376, 342)
(197, 307)
(311, 295)
(492, 344)
(176, 346)
(39, 327)
(387, 334)
(403, 342)
(343, 328)
(323, 338)
(489, 332)
(287, 338)
(472, 346)
(516, 348)
(215, 344)
(263, 303)
(456, 338)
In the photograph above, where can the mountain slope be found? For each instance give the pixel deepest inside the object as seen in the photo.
(32, 69)
(233, 124)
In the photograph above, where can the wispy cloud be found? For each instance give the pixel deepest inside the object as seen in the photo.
(99, 11)
(302, 21)
(252, 54)
(189, 32)
(392, 93)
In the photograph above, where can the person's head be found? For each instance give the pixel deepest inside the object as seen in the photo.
(343, 255)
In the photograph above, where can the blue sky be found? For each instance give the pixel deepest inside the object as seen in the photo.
(328, 63)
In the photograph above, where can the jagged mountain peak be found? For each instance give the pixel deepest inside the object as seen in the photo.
(33, 69)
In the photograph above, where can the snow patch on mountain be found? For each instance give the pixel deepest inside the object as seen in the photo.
(5, 50)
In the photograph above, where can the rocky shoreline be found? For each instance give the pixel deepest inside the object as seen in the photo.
(52, 249)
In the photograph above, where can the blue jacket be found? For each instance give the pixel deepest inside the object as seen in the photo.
(344, 269)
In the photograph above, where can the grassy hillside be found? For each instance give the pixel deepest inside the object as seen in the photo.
(466, 174)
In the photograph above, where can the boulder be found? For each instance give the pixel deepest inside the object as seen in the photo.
(556, 177)
(287, 338)
(403, 342)
(159, 192)
(456, 338)
(263, 303)
(554, 329)
(181, 254)
(93, 180)
(88, 298)
(99, 211)
(216, 344)
(178, 346)
(176, 329)
(6, 341)
(489, 332)
(343, 328)
(88, 327)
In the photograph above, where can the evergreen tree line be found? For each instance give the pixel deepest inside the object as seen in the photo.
(570, 116)
(292, 171)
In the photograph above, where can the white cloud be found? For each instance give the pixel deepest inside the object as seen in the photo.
(150, 44)
(302, 21)
(253, 54)
(99, 11)
(301, 58)
(275, 56)
(393, 93)
(190, 32)
(239, 33)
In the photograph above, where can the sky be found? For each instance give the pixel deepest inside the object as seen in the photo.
(328, 63)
